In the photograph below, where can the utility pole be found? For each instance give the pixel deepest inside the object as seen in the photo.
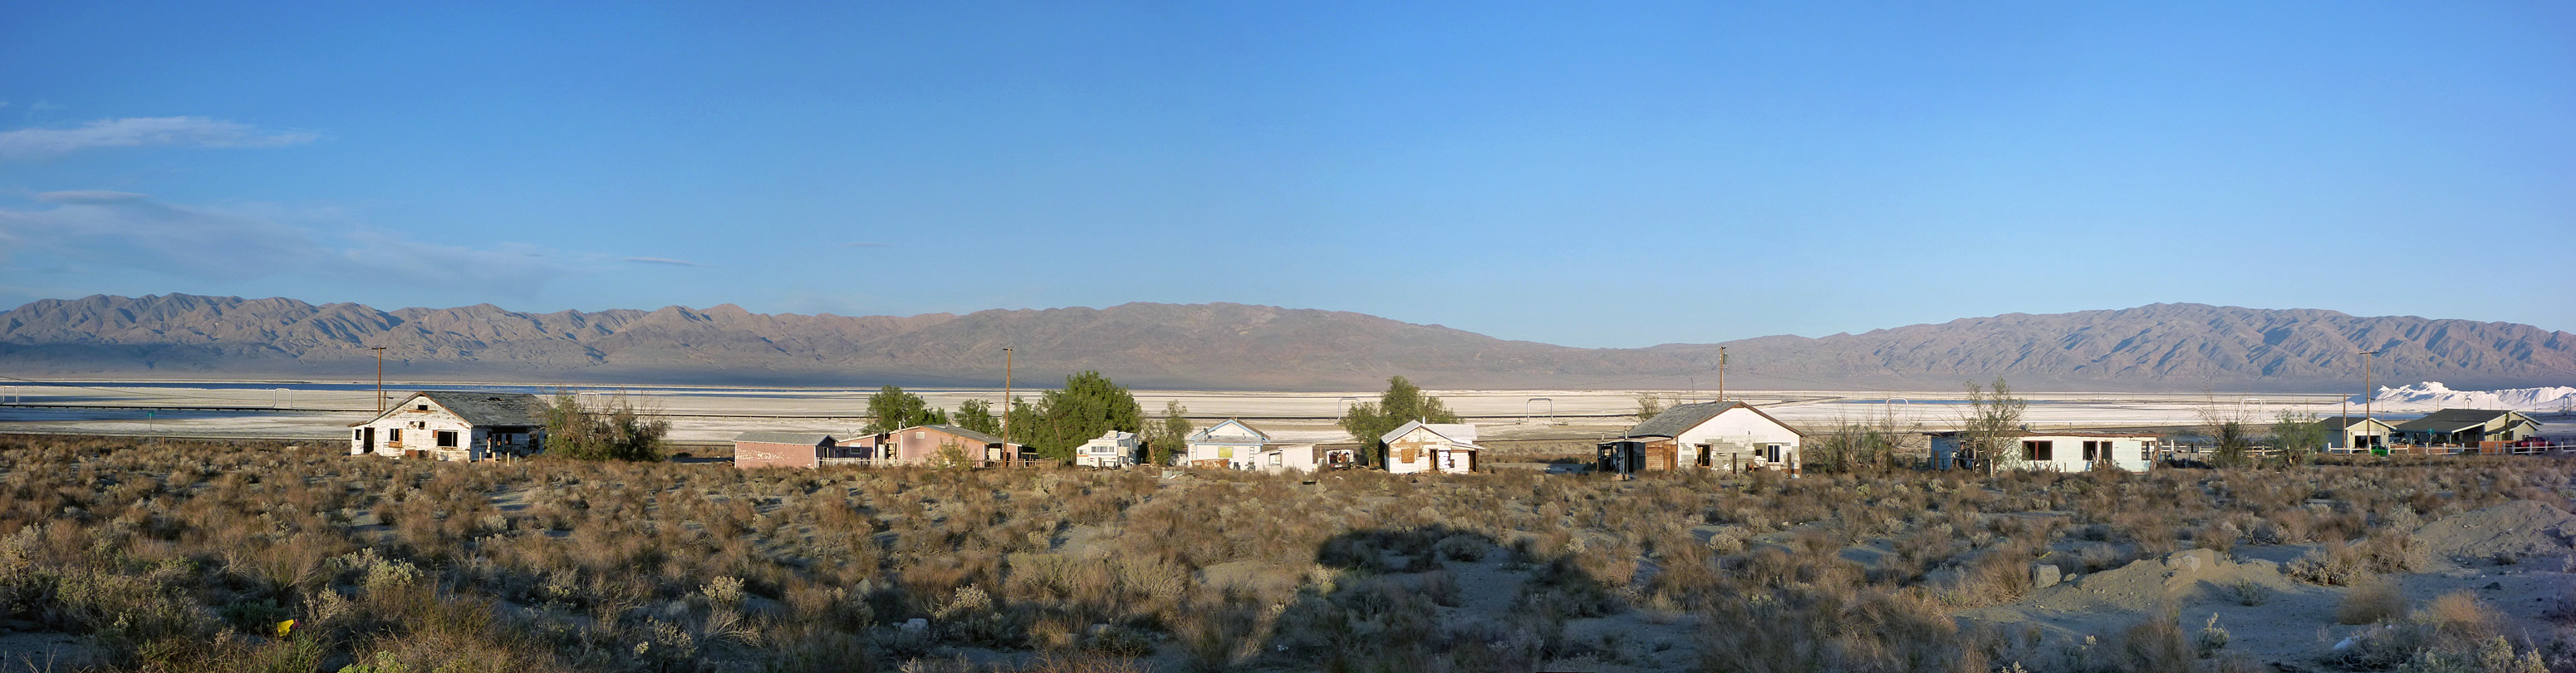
(2367, 393)
(1721, 374)
(380, 378)
(1006, 403)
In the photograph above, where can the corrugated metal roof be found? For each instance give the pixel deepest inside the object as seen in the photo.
(481, 409)
(796, 438)
(1677, 420)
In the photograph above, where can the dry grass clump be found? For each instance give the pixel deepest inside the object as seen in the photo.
(2373, 599)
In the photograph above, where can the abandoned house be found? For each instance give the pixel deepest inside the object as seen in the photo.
(2063, 451)
(1431, 447)
(1722, 436)
(923, 444)
(454, 425)
(1229, 445)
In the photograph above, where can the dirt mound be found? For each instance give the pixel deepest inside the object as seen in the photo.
(2518, 528)
(2181, 579)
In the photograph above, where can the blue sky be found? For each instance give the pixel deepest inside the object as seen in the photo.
(1595, 175)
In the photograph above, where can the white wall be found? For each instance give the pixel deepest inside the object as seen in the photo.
(2067, 452)
(420, 432)
(1738, 425)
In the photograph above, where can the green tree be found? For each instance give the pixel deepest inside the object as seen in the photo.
(977, 415)
(1088, 406)
(612, 429)
(2298, 436)
(1170, 435)
(893, 409)
(1401, 403)
(1992, 429)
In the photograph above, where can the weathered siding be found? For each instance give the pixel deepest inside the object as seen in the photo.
(749, 455)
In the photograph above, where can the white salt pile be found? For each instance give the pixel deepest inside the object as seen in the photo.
(2431, 395)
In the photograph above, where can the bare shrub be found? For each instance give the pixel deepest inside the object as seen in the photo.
(2373, 599)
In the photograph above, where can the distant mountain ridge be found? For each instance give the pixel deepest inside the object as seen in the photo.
(1237, 346)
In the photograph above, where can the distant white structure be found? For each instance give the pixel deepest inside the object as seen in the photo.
(451, 425)
(1431, 447)
(1228, 445)
(1113, 449)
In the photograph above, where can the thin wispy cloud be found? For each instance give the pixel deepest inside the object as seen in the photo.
(32, 144)
(125, 230)
(659, 260)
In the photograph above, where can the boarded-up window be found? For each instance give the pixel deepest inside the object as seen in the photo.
(1408, 454)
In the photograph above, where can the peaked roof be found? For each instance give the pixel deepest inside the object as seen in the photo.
(479, 408)
(1209, 433)
(1456, 433)
(1114, 436)
(797, 438)
(2448, 420)
(2341, 422)
(1677, 420)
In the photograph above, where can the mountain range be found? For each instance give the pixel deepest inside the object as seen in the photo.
(2160, 347)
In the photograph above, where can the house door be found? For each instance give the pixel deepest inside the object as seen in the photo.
(369, 438)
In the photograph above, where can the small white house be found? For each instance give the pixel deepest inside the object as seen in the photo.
(450, 425)
(1718, 436)
(2348, 434)
(1227, 445)
(1431, 447)
(1112, 449)
(2057, 451)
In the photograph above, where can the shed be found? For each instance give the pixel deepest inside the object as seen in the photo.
(783, 449)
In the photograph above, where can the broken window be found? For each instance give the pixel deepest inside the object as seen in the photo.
(447, 439)
(2038, 450)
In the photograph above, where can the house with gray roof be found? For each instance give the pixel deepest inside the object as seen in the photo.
(454, 425)
(2467, 428)
(1717, 436)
